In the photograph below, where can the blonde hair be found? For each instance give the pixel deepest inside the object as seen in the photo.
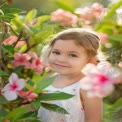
(81, 37)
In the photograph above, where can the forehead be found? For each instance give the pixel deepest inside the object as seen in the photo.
(67, 45)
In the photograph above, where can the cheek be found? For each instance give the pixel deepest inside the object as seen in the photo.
(81, 62)
(50, 59)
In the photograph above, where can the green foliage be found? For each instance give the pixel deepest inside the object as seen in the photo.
(43, 84)
(33, 30)
(64, 6)
(55, 96)
(54, 107)
(36, 30)
(110, 109)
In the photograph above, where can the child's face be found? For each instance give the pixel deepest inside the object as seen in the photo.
(67, 58)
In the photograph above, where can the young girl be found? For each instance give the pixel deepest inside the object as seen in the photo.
(70, 51)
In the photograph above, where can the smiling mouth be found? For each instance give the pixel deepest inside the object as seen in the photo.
(60, 65)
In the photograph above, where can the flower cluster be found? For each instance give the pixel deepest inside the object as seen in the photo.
(100, 79)
(14, 89)
(65, 18)
(84, 16)
(22, 70)
(29, 61)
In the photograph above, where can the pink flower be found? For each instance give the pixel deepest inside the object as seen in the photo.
(97, 9)
(10, 40)
(103, 37)
(15, 84)
(21, 59)
(28, 95)
(20, 43)
(86, 15)
(37, 65)
(96, 83)
(33, 55)
(34, 22)
(6, 120)
(109, 70)
(120, 64)
(91, 14)
(64, 17)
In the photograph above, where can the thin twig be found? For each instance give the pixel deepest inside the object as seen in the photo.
(13, 31)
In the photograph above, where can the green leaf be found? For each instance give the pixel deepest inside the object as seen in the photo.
(116, 38)
(29, 119)
(116, 105)
(30, 82)
(3, 100)
(112, 9)
(43, 84)
(41, 36)
(30, 114)
(12, 11)
(54, 107)
(43, 19)
(17, 113)
(7, 17)
(110, 108)
(3, 113)
(8, 48)
(4, 74)
(18, 22)
(31, 15)
(36, 104)
(55, 96)
(64, 6)
(18, 69)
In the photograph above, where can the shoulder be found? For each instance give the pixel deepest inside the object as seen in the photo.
(93, 107)
(85, 97)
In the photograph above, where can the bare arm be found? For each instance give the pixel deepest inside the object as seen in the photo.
(92, 107)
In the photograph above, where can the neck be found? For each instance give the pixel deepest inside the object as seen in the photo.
(62, 81)
(70, 77)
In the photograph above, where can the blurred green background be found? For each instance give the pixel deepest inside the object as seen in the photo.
(47, 6)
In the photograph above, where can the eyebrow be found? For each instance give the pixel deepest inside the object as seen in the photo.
(74, 52)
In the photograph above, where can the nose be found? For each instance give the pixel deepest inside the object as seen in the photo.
(61, 58)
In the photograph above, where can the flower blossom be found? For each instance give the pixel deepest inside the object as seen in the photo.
(96, 82)
(15, 84)
(120, 64)
(12, 39)
(21, 59)
(37, 65)
(64, 17)
(85, 14)
(91, 14)
(97, 9)
(103, 37)
(28, 95)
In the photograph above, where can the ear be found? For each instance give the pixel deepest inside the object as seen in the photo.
(94, 60)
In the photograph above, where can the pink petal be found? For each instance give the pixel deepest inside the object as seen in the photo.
(6, 87)
(86, 83)
(107, 89)
(13, 77)
(33, 55)
(10, 95)
(21, 84)
(17, 56)
(90, 69)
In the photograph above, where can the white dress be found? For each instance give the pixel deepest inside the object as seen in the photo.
(73, 106)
